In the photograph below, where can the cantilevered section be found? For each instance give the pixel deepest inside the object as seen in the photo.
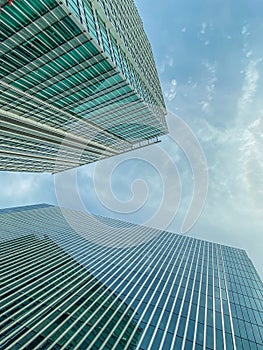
(79, 74)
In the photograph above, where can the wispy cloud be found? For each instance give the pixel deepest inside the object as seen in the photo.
(210, 87)
(168, 62)
(204, 35)
(170, 90)
(249, 86)
(203, 28)
(245, 34)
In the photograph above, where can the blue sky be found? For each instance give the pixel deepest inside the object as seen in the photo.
(209, 55)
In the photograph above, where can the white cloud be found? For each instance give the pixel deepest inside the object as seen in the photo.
(204, 35)
(204, 105)
(210, 86)
(235, 162)
(249, 54)
(170, 90)
(203, 28)
(168, 62)
(249, 86)
(245, 30)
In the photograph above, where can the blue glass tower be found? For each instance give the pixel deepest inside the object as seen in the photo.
(70, 280)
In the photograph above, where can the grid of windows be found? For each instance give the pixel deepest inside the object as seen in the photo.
(121, 35)
(159, 290)
(65, 66)
(43, 304)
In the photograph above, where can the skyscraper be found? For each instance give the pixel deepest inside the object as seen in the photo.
(70, 280)
(76, 72)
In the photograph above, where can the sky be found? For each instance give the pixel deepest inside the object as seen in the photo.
(205, 179)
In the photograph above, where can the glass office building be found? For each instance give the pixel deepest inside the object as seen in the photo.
(70, 280)
(76, 72)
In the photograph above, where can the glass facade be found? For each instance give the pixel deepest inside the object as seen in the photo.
(80, 71)
(70, 280)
